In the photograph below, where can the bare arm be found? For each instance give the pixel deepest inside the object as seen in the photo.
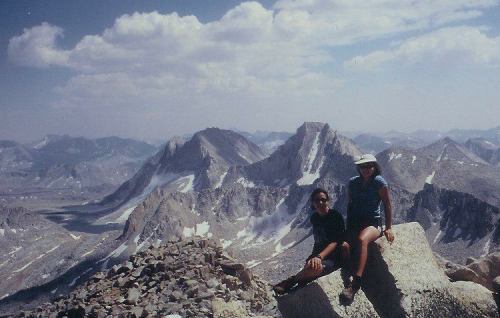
(384, 195)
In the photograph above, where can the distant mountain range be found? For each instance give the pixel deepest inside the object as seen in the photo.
(74, 166)
(375, 143)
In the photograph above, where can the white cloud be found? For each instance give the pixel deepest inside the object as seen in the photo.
(464, 45)
(152, 63)
(336, 22)
(36, 47)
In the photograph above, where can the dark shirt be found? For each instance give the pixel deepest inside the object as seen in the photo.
(365, 200)
(327, 229)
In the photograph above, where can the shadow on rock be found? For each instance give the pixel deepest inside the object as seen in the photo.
(318, 303)
(379, 285)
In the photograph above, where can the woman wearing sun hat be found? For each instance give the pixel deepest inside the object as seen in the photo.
(365, 193)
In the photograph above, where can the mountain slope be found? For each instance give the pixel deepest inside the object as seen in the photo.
(202, 162)
(485, 149)
(444, 163)
(257, 210)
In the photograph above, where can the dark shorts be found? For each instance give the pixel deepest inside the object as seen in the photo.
(356, 226)
(330, 265)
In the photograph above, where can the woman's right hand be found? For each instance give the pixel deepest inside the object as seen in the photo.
(389, 235)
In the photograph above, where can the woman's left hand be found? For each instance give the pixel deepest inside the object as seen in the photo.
(389, 236)
(315, 263)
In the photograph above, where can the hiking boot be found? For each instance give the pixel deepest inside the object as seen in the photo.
(348, 293)
(285, 286)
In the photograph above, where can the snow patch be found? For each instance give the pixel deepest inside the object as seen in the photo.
(430, 177)
(77, 277)
(124, 216)
(146, 240)
(225, 243)
(269, 228)
(253, 263)
(88, 253)
(117, 252)
(308, 175)
(2, 232)
(193, 209)
(45, 276)
(23, 268)
(186, 183)
(158, 181)
(392, 155)
(200, 229)
(188, 231)
(438, 235)
(441, 154)
(413, 159)
(49, 251)
(4, 262)
(16, 249)
(221, 180)
(243, 156)
(42, 143)
(74, 236)
(53, 291)
(13, 231)
(246, 183)
(486, 248)
(4, 296)
(280, 248)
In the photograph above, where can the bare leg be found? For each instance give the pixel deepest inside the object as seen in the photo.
(307, 273)
(365, 237)
(345, 250)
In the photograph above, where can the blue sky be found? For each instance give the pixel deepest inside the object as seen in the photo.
(154, 69)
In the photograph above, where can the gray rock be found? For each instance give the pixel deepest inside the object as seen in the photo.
(321, 299)
(212, 283)
(133, 295)
(138, 271)
(176, 295)
(401, 280)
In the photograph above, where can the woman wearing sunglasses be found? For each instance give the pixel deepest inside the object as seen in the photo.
(329, 251)
(365, 193)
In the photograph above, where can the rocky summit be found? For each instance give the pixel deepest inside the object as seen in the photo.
(401, 280)
(191, 278)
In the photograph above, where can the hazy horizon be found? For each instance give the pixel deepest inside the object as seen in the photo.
(153, 70)
(161, 139)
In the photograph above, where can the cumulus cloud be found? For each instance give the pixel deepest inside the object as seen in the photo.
(37, 47)
(152, 61)
(464, 45)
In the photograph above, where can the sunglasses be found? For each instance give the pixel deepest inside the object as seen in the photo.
(322, 200)
(366, 166)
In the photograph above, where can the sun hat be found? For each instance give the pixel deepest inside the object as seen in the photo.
(365, 158)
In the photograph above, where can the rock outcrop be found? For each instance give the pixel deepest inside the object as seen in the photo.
(401, 280)
(191, 278)
(481, 271)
